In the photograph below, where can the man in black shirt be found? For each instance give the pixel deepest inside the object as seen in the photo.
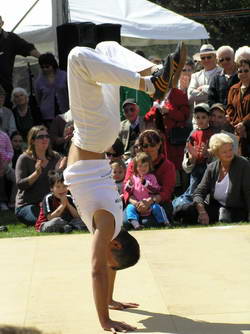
(10, 46)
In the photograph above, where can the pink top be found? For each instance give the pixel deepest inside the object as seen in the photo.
(143, 190)
(6, 150)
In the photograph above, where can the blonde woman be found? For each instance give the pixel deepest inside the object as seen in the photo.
(227, 183)
(32, 169)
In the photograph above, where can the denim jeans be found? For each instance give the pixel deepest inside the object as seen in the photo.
(28, 214)
(195, 179)
(156, 211)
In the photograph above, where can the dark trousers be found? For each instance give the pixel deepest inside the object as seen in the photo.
(188, 214)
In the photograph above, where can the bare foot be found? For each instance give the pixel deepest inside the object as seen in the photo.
(121, 306)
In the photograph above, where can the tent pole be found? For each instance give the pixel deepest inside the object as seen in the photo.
(34, 4)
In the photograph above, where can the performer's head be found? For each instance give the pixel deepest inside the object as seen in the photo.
(125, 251)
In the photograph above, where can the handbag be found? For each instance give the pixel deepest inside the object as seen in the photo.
(179, 135)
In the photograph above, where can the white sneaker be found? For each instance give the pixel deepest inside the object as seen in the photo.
(3, 206)
(135, 224)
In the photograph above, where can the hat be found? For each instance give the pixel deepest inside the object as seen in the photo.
(217, 106)
(128, 101)
(202, 107)
(207, 48)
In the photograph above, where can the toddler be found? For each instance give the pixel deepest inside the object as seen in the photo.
(118, 174)
(141, 186)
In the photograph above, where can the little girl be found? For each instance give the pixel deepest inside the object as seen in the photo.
(141, 186)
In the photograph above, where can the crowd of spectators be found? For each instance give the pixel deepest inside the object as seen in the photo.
(183, 159)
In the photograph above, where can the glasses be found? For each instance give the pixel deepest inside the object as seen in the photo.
(243, 71)
(206, 57)
(131, 109)
(149, 145)
(226, 58)
(42, 137)
(114, 155)
(186, 70)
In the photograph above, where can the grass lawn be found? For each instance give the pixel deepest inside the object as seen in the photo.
(16, 229)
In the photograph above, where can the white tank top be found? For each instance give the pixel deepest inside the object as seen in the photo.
(221, 190)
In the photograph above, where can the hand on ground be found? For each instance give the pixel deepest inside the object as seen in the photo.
(117, 326)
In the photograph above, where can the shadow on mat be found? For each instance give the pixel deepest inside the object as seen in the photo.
(175, 324)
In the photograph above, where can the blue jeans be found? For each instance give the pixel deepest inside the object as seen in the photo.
(156, 210)
(195, 179)
(28, 214)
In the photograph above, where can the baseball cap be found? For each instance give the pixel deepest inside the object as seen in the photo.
(217, 106)
(128, 101)
(202, 107)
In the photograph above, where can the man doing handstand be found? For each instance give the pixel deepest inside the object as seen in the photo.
(94, 78)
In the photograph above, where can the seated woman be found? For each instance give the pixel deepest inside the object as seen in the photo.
(227, 183)
(25, 115)
(17, 145)
(164, 170)
(32, 169)
(116, 151)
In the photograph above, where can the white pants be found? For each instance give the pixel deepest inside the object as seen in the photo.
(92, 187)
(94, 79)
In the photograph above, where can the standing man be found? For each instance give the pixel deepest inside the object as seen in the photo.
(132, 126)
(10, 46)
(94, 79)
(200, 81)
(224, 80)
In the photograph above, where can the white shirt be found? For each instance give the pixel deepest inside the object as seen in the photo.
(221, 190)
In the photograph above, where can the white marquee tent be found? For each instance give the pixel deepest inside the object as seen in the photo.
(143, 22)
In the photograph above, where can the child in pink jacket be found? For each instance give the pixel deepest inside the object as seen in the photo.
(141, 185)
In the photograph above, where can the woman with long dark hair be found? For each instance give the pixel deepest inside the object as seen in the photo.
(32, 169)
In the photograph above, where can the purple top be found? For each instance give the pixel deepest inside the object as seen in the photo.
(46, 93)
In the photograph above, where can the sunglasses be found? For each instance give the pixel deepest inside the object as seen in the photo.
(42, 137)
(149, 145)
(114, 155)
(243, 71)
(186, 70)
(131, 109)
(206, 57)
(226, 58)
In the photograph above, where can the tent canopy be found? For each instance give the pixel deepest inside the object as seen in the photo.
(143, 22)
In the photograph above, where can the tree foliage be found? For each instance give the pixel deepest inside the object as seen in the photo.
(227, 21)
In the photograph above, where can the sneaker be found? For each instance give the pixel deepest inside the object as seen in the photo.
(67, 228)
(3, 206)
(179, 58)
(162, 79)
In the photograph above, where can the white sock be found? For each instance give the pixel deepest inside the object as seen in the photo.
(134, 223)
(149, 87)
